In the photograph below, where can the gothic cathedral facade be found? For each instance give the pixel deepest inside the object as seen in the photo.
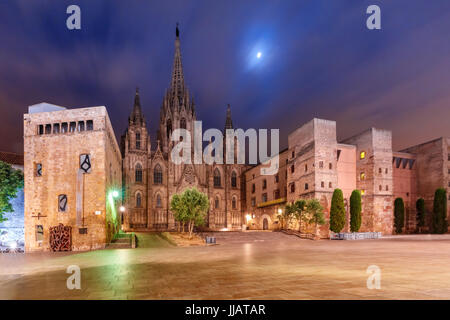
(150, 178)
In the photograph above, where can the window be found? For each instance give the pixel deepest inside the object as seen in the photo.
(80, 126)
(168, 128)
(233, 180)
(293, 154)
(253, 188)
(330, 166)
(72, 126)
(217, 181)
(292, 169)
(320, 164)
(89, 125)
(380, 187)
(362, 155)
(64, 127)
(363, 192)
(276, 194)
(264, 197)
(387, 188)
(380, 170)
(253, 202)
(264, 184)
(217, 203)
(38, 170)
(138, 140)
(322, 184)
(138, 200)
(386, 171)
(277, 178)
(157, 175)
(292, 187)
(330, 184)
(306, 186)
(85, 164)
(362, 176)
(62, 203)
(158, 201)
(41, 129)
(183, 123)
(39, 233)
(56, 128)
(233, 203)
(306, 167)
(138, 173)
(48, 128)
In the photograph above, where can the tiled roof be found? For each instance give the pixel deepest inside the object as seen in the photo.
(11, 158)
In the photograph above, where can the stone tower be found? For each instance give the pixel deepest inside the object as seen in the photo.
(135, 146)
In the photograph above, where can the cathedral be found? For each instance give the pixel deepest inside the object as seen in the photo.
(150, 178)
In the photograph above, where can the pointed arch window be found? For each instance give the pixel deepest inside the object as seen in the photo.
(217, 178)
(233, 179)
(138, 200)
(168, 128)
(183, 123)
(158, 201)
(157, 175)
(217, 203)
(234, 203)
(138, 140)
(138, 173)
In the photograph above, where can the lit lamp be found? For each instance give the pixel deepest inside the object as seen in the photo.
(248, 217)
(122, 209)
(115, 193)
(280, 211)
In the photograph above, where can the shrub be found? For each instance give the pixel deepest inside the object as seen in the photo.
(420, 209)
(355, 211)
(399, 215)
(439, 224)
(337, 211)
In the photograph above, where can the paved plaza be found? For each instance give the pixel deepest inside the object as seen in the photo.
(247, 265)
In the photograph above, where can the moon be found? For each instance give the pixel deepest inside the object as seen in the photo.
(258, 55)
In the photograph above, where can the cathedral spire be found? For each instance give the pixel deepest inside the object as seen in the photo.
(228, 121)
(177, 82)
(136, 116)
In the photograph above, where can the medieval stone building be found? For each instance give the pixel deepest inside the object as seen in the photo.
(150, 177)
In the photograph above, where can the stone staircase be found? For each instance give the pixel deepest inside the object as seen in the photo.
(123, 241)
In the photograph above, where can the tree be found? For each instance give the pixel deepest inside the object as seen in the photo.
(337, 211)
(287, 215)
(420, 208)
(300, 212)
(314, 212)
(11, 180)
(355, 211)
(190, 207)
(399, 215)
(439, 224)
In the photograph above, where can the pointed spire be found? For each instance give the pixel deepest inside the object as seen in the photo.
(228, 121)
(177, 83)
(136, 116)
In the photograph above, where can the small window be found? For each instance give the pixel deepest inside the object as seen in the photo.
(362, 155)
(217, 203)
(157, 175)
(306, 167)
(293, 154)
(48, 129)
(292, 169)
(38, 169)
(276, 194)
(380, 170)
(292, 187)
(362, 176)
(80, 126)
(217, 179)
(138, 173)
(85, 164)
(39, 233)
(306, 186)
(387, 188)
(322, 184)
(330, 166)
(62, 203)
(233, 203)
(380, 187)
(330, 185)
(264, 197)
(56, 128)
(72, 127)
(138, 200)
(64, 127)
(363, 192)
(264, 184)
(253, 188)
(138, 140)
(386, 171)
(233, 180)
(277, 178)
(89, 125)
(320, 164)
(158, 201)
(253, 202)
(41, 129)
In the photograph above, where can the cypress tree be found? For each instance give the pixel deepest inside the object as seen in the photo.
(337, 211)
(399, 215)
(355, 211)
(420, 209)
(439, 224)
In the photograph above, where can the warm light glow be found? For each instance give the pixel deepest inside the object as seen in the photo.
(122, 209)
(280, 211)
(363, 192)
(115, 194)
(362, 176)
(248, 217)
(259, 54)
(362, 155)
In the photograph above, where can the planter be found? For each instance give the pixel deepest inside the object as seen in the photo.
(355, 235)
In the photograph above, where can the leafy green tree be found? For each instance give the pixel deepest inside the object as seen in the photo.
(190, 207)
(439, 224)
(399, 215)
(337, 211)
(355, 211)
(314, 212)
(420, 208)
(300, 212)
(287, 215)
(11, 181)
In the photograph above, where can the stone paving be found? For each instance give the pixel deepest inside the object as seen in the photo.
(247, 265)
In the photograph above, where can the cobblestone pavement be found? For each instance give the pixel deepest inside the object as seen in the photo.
(248, 265)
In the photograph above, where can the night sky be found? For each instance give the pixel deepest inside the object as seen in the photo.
(318, 60)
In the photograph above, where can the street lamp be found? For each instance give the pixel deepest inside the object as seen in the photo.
(122, 209)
